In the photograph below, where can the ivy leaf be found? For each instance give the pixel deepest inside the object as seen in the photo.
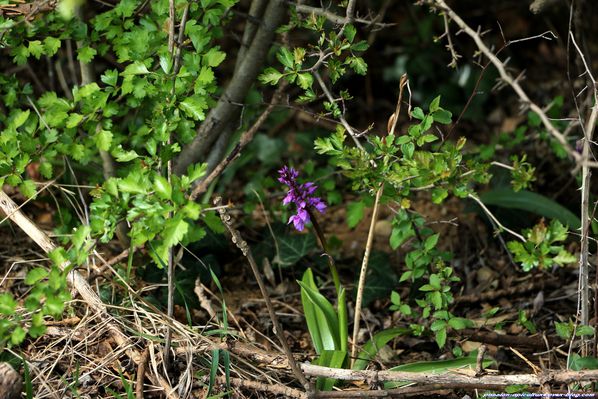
(295, 247)
(194, 107)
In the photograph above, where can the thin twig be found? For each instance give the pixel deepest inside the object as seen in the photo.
(244, 247)
(344, 122)
(494, 219)
(505, 76)
(393, 120)
(141, 373)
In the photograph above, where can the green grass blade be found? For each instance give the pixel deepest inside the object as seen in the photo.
(437, 366)
(376, 343)
(213, 370)
(531, 202)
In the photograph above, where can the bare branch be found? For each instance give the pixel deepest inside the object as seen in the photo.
(499, 65)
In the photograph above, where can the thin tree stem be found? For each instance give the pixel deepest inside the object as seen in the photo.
(363, 273)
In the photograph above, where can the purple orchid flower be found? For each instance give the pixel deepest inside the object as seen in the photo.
(301, 195)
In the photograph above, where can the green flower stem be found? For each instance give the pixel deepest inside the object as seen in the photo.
(323, 243)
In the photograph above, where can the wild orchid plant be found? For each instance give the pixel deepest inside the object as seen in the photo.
(328, 327)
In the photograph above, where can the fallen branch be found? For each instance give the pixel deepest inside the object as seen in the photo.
(465, 380)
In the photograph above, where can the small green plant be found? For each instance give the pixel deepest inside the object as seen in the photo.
(48, 295)
(543, 247)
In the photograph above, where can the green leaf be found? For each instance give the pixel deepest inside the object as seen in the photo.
(36, 275)
(418, 113)
(441, 337)
(110, 77)
(442, 116)
(358, 65)
(166, 63)
(196, 171)
(86, 54)
(174, 231)
(136, 68)
(305, 80)
(194, 107)
(326, 317)
(73, 120)
(103, 139)
(162, 187)
(355, 212)
(295, 247)
(121, 155)
(8, 304)
(459, 323)
(435, 104)
(584, 330)
(350, 32)
(20, 118)
(54, 306)
(214, 57)
(577, 362)
(564, 330)
(35, 48)
(533, 203)
(270, 76)
(285, 57)
(51, 45)
(343, 320)
(309, 310)
(360, 46)
(431, 242)
(439, 194)
(28, 188)
(378, 341)
(18, 335)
